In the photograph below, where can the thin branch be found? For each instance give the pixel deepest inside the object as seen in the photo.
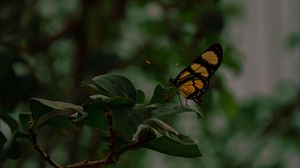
(41, 152)
(281, 117)
(112, 156)
(112, 151)
(86, 164)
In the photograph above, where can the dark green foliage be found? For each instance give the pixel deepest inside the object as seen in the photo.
(168, 131)
(140, 97)
(115, 86)
(53, 112)
(11, 122)
(127, 115)
(95, 115)
(158, 110)
(12, 150)
(2, 141)
(25, 119)
(47, 49)
(162, 95)
(114, 95)
(166, 145)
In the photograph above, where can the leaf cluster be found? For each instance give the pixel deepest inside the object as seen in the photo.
(117, 109)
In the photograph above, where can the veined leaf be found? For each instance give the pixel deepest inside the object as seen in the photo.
(44, 111)
(95, 115)
(41, 106)
(157, 110)
(140, 96)
(115, 86)
(168, 131)
(162, 95)
(165, 145)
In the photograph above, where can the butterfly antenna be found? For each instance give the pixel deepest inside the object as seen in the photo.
(176, 67)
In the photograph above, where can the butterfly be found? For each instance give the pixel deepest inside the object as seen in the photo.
(193, 81)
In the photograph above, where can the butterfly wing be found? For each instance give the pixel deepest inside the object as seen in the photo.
(193, 81)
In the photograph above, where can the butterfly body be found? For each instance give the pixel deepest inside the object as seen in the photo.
(193, 81)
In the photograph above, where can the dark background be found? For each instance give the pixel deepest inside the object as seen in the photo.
(48, 47)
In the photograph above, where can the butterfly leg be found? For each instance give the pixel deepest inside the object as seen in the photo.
(186, 102)
(179, 99)
(198, 100)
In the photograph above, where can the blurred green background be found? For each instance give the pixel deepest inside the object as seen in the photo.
(251, 112)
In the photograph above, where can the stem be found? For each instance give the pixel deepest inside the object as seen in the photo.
(112, 151)
(40, 150)
(111, 157)
(86, 164)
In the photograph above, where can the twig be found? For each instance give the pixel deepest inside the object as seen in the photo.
(281, 115)
(86, 164)
(112, 155)
(112, 151)
(41, 152)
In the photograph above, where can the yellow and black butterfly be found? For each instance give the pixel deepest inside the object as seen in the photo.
(193, 81)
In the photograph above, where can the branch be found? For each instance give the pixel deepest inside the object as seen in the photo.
(112, 151)
(83, 164)
(281, 116)
(112, 156)
(86, 164)
(104, 162)
(41, 152)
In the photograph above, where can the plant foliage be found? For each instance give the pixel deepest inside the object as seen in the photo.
(133, 125)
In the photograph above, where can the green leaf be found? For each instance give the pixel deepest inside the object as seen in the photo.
(113, 102)
(2, 142)
(59, 121)
(92, 87)
(162, 95)
(124, 122)
(104, 100)
(122, 102)
(102, 153)
(127, 120)
(4, 131)
(95, 115)
(168, 131)
(140, 97)
(144, 134)
(57, 105)
(11, 122)
(55, 113)
(41, 106)
(140, 112)
(13, 151)
(38, 109)
(165, 145)
(25, 120)
(2, 139)
(158, 110)
(115, 86)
